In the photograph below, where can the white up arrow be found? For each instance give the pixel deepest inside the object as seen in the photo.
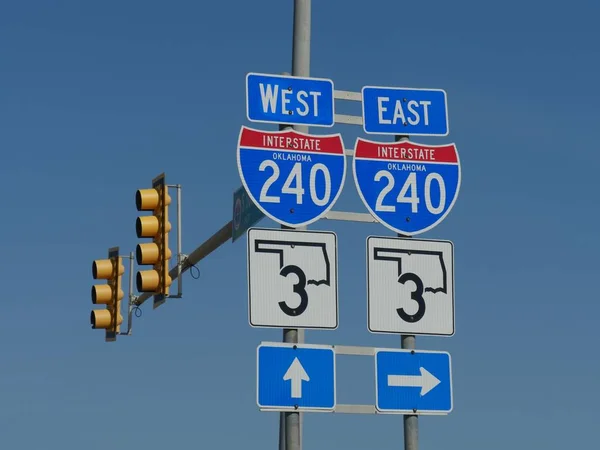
(426, 381)
(296, 374)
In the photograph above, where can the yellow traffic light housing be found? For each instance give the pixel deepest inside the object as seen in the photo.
(157, 227)
(109, 294)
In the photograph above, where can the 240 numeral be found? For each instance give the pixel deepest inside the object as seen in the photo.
(413, 198)
(295, 177)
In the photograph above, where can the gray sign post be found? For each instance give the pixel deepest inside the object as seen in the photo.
(411, 422)
(290, 428)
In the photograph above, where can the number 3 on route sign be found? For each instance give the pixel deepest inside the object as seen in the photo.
(410, 188)
(293, 178)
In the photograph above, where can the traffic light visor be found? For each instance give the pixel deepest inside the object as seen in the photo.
(102, 318)
(147, 281)
(102, 269)
(146, 199)
(101, 294)
(146, 226)
(147, 253)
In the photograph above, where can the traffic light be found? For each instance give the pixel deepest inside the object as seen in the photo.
(109, 294)
(157, 227)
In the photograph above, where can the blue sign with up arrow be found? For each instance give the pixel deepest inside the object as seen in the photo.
(295, 377)
(413, 381)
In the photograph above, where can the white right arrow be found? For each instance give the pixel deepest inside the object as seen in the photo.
(296, 374)
(426, 381)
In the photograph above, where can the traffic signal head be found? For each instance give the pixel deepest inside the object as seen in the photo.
(157, 227)
(109, 294)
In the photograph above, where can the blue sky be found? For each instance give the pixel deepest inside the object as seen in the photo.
(98, 98)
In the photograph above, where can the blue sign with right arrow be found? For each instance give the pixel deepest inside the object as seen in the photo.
(413, 381)
(295, 377)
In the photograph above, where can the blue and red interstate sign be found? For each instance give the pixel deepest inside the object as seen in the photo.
(410, 188)
(293, 178)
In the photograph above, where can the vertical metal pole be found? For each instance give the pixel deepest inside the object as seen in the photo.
(287, 337)
(411, 422)
(301, 44)
(179, 277)
(290, 431)
(131, 258)
(292, 419)
(131, 295)
(282, 427)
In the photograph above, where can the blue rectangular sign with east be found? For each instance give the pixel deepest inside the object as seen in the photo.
(413, 381)
(295, 377)
(416, 112)
(289, 100)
